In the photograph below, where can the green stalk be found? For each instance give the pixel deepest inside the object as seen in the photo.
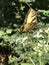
(31, 60)
(40, 62)
(48, 37)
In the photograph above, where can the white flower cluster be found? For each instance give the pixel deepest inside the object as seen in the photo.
(38, 35)
(21, 40)
(47, 31)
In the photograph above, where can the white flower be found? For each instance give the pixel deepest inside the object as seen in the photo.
(46, 45)
(40, 45)
(47, 30)
(35, 52)
(40, 41)
(13, 3)
(40, 30)
(23, 40)
(36, 49)
(19, 39)
(40, 53)
(38, 35)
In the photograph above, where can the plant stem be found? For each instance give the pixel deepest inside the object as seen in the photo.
(40, 60)
(31, 60)
(48, 37)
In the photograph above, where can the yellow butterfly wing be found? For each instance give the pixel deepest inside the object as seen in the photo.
(30, 20)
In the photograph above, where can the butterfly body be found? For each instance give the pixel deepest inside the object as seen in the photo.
(30, 20)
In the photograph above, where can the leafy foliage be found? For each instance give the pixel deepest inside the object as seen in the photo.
(31, 47)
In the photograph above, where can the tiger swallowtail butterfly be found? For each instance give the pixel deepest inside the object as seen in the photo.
(29, 21)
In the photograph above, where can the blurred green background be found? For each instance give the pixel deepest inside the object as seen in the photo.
(31, 47)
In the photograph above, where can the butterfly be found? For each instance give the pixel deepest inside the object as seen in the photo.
(29, 21)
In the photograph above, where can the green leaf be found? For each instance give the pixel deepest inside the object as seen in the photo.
(1, 33)
(18, 16)
(9, 31)
(22, 7)
(25, 0)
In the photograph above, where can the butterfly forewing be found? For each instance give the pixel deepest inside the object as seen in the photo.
(30, 20)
